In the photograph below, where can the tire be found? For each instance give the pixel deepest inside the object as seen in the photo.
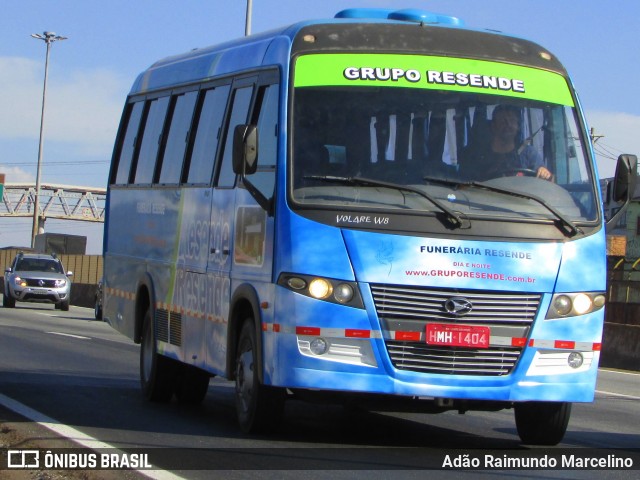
(542, 423)
(259, 408)
(191, 385)
(8, 301)
(97, 311)
(157, 373)
(64, 306)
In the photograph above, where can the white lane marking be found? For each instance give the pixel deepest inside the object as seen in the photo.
(74, 435)
(619, 372)
(69, 335)
(621, 395)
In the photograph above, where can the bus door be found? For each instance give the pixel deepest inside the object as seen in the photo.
(222, 228)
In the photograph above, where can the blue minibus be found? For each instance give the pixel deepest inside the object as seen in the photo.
(384, 209)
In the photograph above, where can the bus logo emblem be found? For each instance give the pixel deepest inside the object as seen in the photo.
(458, 306)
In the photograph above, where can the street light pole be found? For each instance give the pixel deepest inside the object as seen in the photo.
(247, 23)
(48, 38)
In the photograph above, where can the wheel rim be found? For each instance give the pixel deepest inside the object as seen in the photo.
(244, 380)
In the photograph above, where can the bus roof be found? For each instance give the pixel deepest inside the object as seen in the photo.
(401, 31)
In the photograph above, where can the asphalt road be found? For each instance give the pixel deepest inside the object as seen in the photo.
(80, 374)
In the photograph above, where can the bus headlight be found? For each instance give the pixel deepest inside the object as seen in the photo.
(582, 304)
(562, 305)
(320, 288)
(343, 293)
(565, 305)
(326, 289)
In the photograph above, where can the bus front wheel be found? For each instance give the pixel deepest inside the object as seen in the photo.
(259, 407)
(542, 423)
(157, 373)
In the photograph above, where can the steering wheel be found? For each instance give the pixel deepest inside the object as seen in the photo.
(520, 172)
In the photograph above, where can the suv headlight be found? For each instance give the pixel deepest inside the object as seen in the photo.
(60, 283)
(19, 282)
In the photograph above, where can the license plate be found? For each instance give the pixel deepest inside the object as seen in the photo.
(469, 336)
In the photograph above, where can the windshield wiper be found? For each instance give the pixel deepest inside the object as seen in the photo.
(569, 228)
(453, 218)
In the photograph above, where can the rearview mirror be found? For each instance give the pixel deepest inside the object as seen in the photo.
(624, 183)
(624, 186)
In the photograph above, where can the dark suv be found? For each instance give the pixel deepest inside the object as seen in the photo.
(37, 278)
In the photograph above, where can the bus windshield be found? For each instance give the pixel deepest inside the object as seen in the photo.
(449, 145)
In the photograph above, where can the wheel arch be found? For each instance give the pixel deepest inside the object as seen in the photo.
(244, 303)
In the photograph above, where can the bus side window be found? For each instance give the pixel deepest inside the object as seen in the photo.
(148, 155)
(177, 138)
(200, 167)
(128, 145)
(239, 112)
(264, 178)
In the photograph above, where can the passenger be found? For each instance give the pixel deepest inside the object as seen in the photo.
(502, 156)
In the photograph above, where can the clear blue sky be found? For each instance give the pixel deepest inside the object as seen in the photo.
(110, 42)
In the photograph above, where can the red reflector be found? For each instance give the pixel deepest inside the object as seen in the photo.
(597, 347)
(411, 336)
(352, 332)
(276, 327)
(265, 327)
(307, 331)
(518, 342)
(564, 344)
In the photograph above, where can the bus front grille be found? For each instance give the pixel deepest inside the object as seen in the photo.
(420, 357)
(508, 315)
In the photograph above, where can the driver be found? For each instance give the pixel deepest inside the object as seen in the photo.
(502, 156)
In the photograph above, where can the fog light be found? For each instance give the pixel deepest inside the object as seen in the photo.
(320, 288)
(562, 305)
(318, 346)
(575, 360)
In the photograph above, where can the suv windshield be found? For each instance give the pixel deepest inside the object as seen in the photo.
(39, 265)
(447, 144)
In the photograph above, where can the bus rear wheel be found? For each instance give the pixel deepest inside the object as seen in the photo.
(542, 423)
(157, 373)
(259, 407)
